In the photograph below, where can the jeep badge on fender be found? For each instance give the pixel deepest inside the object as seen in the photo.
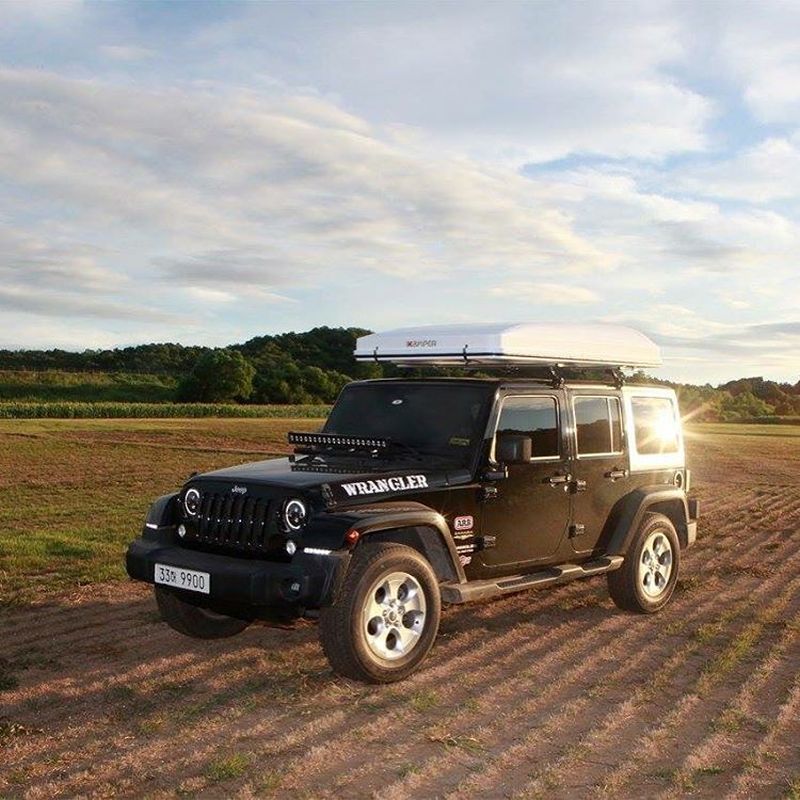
(423, 491)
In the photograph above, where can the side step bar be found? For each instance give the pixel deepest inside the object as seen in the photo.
(494, 587)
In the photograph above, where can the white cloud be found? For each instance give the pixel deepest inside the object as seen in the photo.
(763, 173)
(545, 293)
(506, 82)
(759, 46)
(274, 190)
(126, 52)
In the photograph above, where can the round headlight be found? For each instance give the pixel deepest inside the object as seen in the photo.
(191, 502)
(294, 514)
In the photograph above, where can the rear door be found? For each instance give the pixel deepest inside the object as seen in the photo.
(530, 514)
(601, 469)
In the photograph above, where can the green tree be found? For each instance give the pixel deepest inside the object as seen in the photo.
(743, 406)
(280, 385)
(218, 376)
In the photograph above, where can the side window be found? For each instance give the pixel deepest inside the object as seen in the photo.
(655, 424)
(599, 425)
(536, 417)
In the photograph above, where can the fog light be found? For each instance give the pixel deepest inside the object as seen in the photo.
(181, 531)
(291, 547)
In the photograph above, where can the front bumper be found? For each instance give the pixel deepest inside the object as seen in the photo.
(309, 581)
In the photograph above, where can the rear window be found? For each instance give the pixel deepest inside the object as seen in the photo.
(598, 424)
(655, 425)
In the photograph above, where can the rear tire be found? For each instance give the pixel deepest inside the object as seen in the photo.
(191, 620)
(646, 580)
(385, 620)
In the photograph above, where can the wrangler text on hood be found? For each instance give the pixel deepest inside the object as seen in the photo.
(397, 484)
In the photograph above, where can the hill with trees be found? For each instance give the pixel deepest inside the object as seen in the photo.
(292, 368)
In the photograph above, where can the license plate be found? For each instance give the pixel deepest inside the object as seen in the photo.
(182, 578)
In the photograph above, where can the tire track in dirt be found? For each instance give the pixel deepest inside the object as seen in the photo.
(686, 737)
(468, 658)
(418, 775)
(736, 732)
(213, 678)
(708, 700)
(508, 761)
(641, 741)
(161, 675)
(320, 770)
(445, 666)
(125, 679)
(781, 744)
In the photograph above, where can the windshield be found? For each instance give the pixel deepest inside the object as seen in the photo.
(434, 418)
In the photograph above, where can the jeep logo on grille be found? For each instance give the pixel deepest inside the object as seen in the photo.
(239, 490)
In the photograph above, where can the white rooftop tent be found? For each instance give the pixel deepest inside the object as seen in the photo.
(511, 344)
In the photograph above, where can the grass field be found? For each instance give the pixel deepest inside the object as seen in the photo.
(74, 492)
(545, 694)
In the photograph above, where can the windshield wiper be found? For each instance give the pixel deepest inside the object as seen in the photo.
(407, 449)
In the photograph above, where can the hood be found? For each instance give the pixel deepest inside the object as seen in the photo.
(340, 480)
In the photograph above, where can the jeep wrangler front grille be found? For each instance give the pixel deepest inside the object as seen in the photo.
(233, 520)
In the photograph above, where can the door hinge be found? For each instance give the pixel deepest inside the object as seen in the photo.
(576, 529)
(488, 493)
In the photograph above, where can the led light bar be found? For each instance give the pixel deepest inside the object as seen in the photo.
(332, 440)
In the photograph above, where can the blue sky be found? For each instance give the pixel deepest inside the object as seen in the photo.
(208, 172)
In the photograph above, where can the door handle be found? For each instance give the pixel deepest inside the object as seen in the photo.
(616, 474)
(558, 480)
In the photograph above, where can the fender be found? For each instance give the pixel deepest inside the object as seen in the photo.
(409, 523)
(628, 516)
(160, 516)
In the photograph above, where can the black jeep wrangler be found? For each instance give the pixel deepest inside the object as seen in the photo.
(419, 492)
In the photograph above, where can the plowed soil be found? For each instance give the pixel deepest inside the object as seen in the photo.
(553, 693)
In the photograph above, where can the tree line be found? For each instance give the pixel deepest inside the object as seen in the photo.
(312, 367)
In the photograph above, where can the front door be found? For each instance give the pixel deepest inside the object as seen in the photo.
(600, 471)
(528, 519)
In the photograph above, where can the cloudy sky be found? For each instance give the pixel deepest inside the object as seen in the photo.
(205, 173)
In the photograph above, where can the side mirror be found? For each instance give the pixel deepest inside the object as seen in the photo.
(512, 448)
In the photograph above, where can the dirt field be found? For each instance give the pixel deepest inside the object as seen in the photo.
(553, 693)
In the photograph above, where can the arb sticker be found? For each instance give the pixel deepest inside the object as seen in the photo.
(463, 523)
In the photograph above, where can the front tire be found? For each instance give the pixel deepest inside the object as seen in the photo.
(385, 620)
(191, 620)
(647, 578)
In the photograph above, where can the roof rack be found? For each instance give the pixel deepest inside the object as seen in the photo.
(503, 345)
